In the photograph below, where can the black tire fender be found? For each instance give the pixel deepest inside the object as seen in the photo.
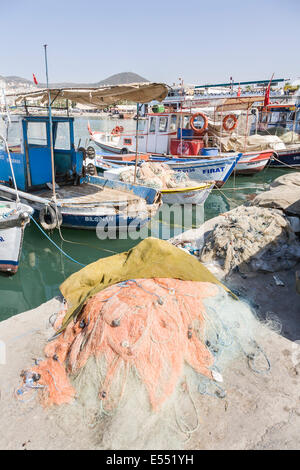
(50, 217)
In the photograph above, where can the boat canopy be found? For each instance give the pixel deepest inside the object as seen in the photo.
(238, 103)
(100, 97)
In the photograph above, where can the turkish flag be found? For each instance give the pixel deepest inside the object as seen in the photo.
(34, 79)
(239, 92)
(267, 95)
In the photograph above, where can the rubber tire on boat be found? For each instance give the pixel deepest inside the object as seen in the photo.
(124, 150)
(91, 153)
(52, 213)
(91, 169)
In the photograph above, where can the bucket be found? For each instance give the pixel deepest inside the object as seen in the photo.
(210, 151)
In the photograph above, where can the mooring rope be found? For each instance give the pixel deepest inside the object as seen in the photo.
(56, 246)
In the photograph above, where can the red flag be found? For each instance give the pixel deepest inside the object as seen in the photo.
(239, 92)
(267, 94)
(34, 79)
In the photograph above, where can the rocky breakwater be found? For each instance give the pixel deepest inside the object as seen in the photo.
(256, 249)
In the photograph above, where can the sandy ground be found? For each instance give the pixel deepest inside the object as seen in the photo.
(258, 412)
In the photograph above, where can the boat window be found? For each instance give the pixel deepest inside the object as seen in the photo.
(152, 124)
(173, 123)
(141, 125)
(163, 123)
(292, 116)
(186, 122)
(282, 117)
(14, 135)
(62, 136)
(37, 133)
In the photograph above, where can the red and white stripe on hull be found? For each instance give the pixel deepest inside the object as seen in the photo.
(9, 268)
(253, 162)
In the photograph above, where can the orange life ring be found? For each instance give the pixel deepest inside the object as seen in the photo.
(196, 129)
(225, 126)
(115, 131)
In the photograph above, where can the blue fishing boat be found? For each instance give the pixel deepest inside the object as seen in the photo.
(210, 169)
(50, 177)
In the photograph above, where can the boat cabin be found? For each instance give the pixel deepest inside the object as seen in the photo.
(277, 116)
(28, 139)
(171, 133)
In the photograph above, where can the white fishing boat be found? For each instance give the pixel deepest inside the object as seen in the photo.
(13, 220)
(209, 169)
(182, 135)
(187, 192)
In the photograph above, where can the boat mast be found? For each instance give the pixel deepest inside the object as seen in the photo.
(136, 141)
(50, 125)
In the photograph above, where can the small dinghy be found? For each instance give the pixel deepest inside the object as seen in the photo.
(13, 220)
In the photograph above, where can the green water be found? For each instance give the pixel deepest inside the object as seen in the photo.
(43, 268)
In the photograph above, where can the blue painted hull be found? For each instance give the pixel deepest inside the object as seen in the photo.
(111, 223)
(286, 157)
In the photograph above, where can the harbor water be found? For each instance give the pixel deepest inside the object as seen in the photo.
(43, 267)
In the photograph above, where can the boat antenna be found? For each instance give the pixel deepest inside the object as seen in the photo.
(50, 125)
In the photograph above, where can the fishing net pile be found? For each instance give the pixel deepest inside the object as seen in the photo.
(158, 176)
(252, 239)
(134, 358)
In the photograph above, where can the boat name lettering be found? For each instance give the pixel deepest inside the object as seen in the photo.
(2, 239)
(214, 170)
(97, 219)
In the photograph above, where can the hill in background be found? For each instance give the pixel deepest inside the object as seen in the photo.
(117, 79)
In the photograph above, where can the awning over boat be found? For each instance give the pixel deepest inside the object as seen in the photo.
(238, 103)
(100, 97)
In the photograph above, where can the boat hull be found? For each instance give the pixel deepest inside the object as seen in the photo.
(286, 158)
(121, 215)
(251, 163)
(11, 241)
(186, 196)
(217, 171)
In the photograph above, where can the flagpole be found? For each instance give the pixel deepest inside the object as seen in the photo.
(50, 126)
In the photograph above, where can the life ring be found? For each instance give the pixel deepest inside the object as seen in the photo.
(196, 129)
(121, 128)
(50, 217)
(116, 131)
(225, 125)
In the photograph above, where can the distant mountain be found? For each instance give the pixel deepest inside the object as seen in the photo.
(122, 78)
(117, 79)
(13, 79)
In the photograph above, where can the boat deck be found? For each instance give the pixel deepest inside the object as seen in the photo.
(88, 193)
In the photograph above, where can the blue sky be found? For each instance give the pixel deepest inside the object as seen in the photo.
(201, 41)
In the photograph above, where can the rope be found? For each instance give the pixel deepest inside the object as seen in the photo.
(285, 164)
(85, 244)
(56, 246)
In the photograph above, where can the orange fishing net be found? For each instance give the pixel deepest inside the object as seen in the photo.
(151, 325)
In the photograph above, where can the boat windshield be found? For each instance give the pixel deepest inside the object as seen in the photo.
(62, 136)
(14, 136)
